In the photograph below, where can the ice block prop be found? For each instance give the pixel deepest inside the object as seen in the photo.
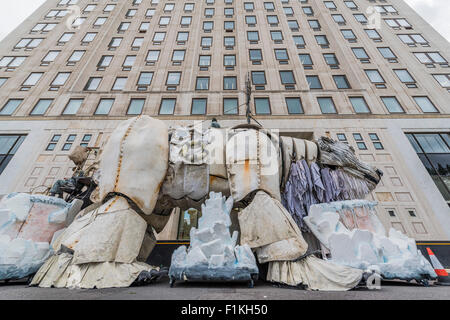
(356, 238)
(213, 254)
(28, 224)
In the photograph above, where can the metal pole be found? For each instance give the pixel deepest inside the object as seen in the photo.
(249, 94)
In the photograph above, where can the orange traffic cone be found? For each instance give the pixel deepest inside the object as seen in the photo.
(443, 277)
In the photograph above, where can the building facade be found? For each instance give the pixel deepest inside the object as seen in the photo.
(371, 73)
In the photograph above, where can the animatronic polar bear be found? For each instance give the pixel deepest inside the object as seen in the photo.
(145, 172)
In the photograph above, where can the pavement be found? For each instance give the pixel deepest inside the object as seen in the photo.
(225, 291)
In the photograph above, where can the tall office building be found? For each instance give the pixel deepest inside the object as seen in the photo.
(371, 73)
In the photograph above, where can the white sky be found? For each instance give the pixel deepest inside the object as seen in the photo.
(436, 12)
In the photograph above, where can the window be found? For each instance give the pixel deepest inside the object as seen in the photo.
(406, 78)
(65, 38)
(341, 82)
(361, 54)
(208, 26)
(314, 82)
(204, 60)
(276, 36)
(152, 56)
(228, 26)
(9, 144)
(373, 34)
(330, 5)
(182, 37)
(338, 18)
(209, 12)
(188, 7)
(229, 61)
(143, 28)
(114, 43)
(281, 55)
(314, 24)
(202, 83)
(287, 77)
(359, 105)
(392, 105)
(258, 78)
(230, 106)
(10, 107)
(425, 104)
(433, 150)
(249, 6)
(145, 80)
(11, 62)
(185, 21)
(361, 18)
(169, 7)
(50, 57)
(305, 59)
(2, 81)
(376, 141)
(293, 25)
(376, 78)
(294, 105)
(159, 37)
(173, 78)
(429, 58)
(341, 137)
(398, 23)
(413, 40)
(272, 20)
(198, 106)
(28, 43)
(331, 60)
(262, 105)
(32, 79)
(104, 62)
(88, 37)
(253, 36)
(269, 6)
(119, 84)
(73, 106)
(388, 54)
(206, 42)
(322, 41)
(308, 11)
(137, 43)
(104, 106)
(255, 56)
(75, 57)
(351, 5)
(299, 41)
(326, 105)
(178, 56)
(164, 21)
(443, 79)
(93, 84)
(229, 83)
(100, 21)
(167, 106)
(136, 106)
(229, 42)
(61, 79)
(348, 35)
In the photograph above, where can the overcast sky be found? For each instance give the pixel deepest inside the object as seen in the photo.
(436, 12)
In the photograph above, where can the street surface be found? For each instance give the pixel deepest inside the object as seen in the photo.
(221, 291)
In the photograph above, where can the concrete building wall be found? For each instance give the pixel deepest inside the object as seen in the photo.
(406, 186)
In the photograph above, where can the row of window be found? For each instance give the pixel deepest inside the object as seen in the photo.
(230, 105)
